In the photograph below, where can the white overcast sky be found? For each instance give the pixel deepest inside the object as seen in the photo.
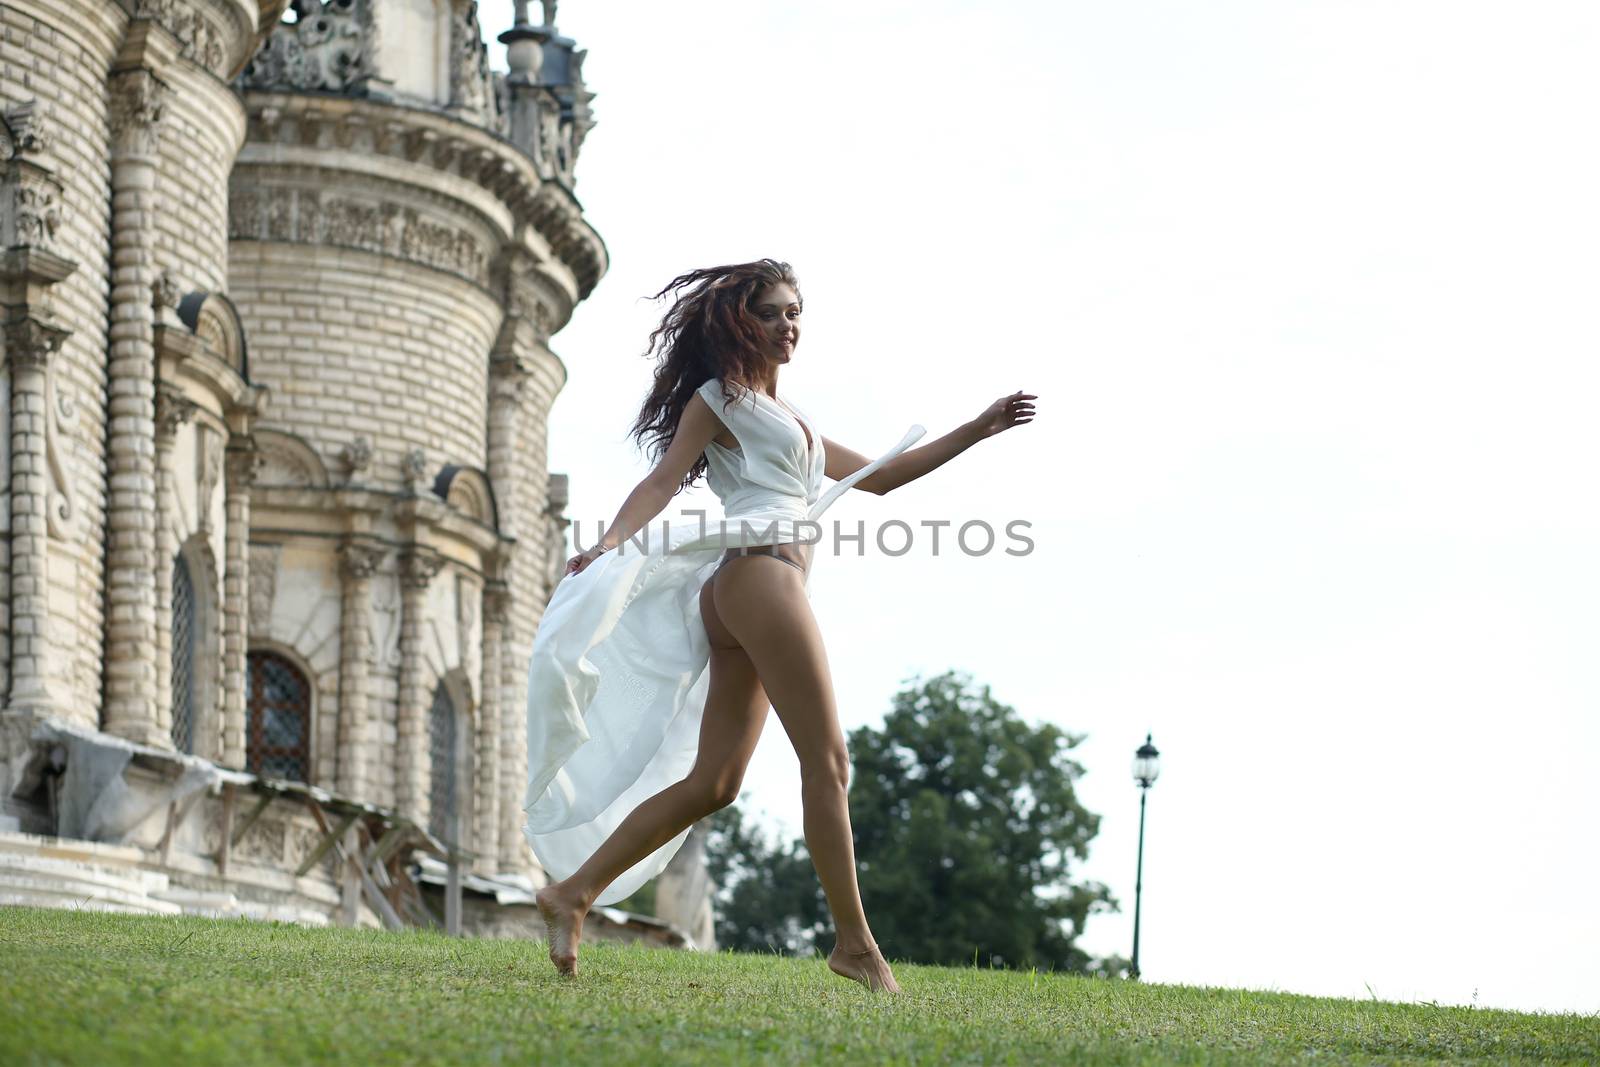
(1307, 292)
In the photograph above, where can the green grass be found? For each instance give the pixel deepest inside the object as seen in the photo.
(92, 988)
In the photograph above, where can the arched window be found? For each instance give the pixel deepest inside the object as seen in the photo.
(185, 632)
(277, 732)
(444, 753)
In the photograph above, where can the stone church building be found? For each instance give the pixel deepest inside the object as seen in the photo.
(278, 284)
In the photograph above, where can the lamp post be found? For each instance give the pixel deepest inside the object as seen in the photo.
(1146, 766)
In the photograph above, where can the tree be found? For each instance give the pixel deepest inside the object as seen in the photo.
(768, 897)
(966, 825)
(967, 822)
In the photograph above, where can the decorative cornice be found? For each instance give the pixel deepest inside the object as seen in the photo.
(291, 127)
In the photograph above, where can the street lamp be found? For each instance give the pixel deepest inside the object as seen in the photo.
(1146, 766)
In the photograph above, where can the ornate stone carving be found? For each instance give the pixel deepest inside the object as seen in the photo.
(173, 409)
(208, 463)
(360, 559)
(287, 460)
(198, 39)
(166, 292)
(310, 217)
(138, 105)
(414, 471)
(27, 131)
(30, 194)
(35, 212)
(468, 640)
(30, 342)
(331, 46)
(356, 456)
(263, 586)
(243, 463)
(419, 566)
(63, 515)
(471, 87)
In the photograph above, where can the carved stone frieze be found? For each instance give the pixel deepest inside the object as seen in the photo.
(32, 209)
(306, 216)
(30, 193)
(198, 39)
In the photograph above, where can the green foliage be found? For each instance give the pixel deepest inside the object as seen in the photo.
(967, 823)
(966, 826)
(770, 900)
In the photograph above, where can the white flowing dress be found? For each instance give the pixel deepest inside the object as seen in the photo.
(620, 666)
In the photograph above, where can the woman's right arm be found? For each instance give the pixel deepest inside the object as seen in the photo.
(696, 427)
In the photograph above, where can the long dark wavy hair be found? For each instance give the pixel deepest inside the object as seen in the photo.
(710, 331)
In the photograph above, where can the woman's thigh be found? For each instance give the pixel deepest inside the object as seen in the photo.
(761, 603)
(736, 704)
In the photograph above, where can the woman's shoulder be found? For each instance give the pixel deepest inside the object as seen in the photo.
(720, 395)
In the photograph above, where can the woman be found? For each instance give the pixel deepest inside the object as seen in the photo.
(655, 664)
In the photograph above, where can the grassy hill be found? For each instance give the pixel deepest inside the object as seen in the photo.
(92, 988)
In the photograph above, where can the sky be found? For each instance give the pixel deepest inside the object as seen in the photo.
(1306, 292)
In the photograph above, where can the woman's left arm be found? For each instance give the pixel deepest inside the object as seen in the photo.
(908, 466)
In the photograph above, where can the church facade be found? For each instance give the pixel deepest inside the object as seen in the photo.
(279, 287)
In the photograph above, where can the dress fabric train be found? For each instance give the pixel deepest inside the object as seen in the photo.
(620, 666)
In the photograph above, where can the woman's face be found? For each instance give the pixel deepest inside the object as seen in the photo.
(777, 310)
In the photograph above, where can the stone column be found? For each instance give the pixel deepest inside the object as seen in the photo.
(507, 386)
(172, 411)
(486, 834)
(132, 651)
(29, 345)
(413, 772)
(240, 475)
(358, 561)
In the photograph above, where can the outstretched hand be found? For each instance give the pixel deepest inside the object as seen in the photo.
(1008, 411)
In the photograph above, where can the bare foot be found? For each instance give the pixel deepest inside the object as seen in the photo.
(563, 923)
(867, 967)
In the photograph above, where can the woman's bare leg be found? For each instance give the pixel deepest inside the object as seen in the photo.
(736, 711)
(765, 606)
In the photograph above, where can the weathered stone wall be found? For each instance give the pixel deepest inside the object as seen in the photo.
(58, 52)
(355, 344)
